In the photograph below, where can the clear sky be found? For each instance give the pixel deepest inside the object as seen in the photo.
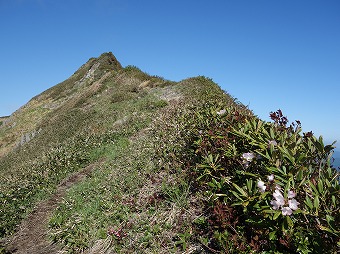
(269, 54)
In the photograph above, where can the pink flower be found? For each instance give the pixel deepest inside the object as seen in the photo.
(286, 211)
(293, 204)
(221, 112)
(291, 194)
(278, 199)
(275, 204)
(271, 178)
(248, 156)
(261, 186)
(277, 194)
(272, 142)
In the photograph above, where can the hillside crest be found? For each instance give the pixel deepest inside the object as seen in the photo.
(114, 160)
(24, 123)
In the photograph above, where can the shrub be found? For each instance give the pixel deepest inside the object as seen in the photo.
(270, 187)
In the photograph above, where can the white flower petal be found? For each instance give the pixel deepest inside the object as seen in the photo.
(272, 142)
(275, 205)
(291, 194)
(280, 200)
(271, 178)
(221, 112)
(277, 194)
(248, 156)
(260, 183)
(293, 204)
(286, 211)
(261, 186)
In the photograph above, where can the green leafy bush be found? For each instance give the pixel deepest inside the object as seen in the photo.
(270, 188)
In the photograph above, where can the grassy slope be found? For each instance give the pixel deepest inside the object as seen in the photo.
(73, 118)
(102, 111)
(140, 193)
(25, 169)
(141, 197)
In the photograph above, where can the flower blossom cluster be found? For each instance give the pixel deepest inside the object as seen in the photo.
(221, 112)
(288, 205)
(260, 184)
(247, 158)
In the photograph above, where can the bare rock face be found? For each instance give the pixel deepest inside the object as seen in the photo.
(4, 120)
(28, 136)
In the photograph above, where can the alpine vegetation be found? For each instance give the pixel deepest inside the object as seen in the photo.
(114, 160)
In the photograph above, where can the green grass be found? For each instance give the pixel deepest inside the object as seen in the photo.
(70, 137)
(120, 195)
(140, 196)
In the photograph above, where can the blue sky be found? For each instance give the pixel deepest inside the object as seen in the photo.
(268, 54)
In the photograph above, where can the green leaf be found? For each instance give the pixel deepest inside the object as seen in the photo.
(272, 235)
(277, 214)
(264, 155)
(314, 188)
(329, 218)
(249, 185)
(320, 186)
(316, 203)
(240, 190)
(273, 170)
(299, 175)
(319, 146)
(287, 153)
(264, 194)
(269, 211)
(289, 221)
(333, 200)
(246, 203)
(240, 172)
(326, 229)
(284, 226)
(302, 158)
(283, 170)
(309, 203)
(237, 204)
(272, 135)
(236, 195)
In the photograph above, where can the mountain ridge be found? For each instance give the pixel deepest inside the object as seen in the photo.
(56, 96)
(64, 129)
(114, 160)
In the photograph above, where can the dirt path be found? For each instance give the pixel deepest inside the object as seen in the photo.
(31, 237)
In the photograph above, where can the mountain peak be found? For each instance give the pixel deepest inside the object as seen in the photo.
(108, 59)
